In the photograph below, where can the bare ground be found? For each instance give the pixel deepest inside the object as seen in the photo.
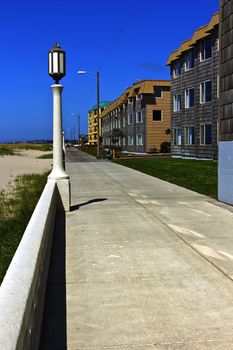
(24, 163)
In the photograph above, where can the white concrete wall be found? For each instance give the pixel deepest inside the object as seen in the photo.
(23, 289)
(225, 172)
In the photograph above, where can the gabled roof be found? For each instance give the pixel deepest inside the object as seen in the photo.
(199, 34)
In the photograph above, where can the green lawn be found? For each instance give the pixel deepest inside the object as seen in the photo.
(196, 175)
(92, 152)
(16, 209)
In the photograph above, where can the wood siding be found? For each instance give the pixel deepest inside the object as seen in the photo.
(199, 113)
(155, 130)
(152, 133)
(226, 71)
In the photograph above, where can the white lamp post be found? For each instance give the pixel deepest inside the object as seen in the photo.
(57, 70)
(98, 105)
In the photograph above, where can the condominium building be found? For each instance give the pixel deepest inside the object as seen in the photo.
(139, 120)
(225, 169)
(194, 68)
(93, 123)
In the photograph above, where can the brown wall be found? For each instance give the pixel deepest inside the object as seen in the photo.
(155, 131)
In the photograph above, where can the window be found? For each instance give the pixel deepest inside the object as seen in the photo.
(123, 141)
(138, 97)
(139, 117)
(130, 119)
(139, 139)
(189, 138)
(177, 103)
(123, 122)
(189, 60)
(206, 49)
(158, 91)
(130, 100)
(206, 91)
(177, 137)
(189, 98)
(157, 116)
(206, 134)
(176, 69)
(130, 140)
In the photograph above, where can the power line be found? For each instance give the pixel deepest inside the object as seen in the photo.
(118, 34)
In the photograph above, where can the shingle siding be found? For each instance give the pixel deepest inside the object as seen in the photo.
(199, 113)
(226, 70)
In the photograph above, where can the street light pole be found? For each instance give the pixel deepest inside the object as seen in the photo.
(57, 70)
(98, 112)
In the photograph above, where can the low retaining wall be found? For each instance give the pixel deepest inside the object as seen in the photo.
(23, 289)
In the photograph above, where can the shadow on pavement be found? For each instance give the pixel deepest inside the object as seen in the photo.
(96, 200)
(53, 335)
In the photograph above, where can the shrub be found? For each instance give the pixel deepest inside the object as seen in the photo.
(165, 147)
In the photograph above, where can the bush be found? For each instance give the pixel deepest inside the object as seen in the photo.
(165, 147)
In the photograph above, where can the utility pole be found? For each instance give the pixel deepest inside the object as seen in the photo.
(79, 129)
(98, 113)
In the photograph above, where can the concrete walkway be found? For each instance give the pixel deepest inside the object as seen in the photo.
(149, 265)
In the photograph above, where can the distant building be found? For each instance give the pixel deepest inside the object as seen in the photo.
(225, 170)
(92, 122)
(194, 71)
(139, 120)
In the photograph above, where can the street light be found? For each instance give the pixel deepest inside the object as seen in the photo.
(98, 105)
(57, 70)
(57, 63)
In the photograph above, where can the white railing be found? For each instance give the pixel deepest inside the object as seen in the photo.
(23, 289)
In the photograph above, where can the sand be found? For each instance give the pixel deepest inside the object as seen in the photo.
(25, 163)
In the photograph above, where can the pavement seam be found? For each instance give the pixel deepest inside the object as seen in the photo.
(153, 216)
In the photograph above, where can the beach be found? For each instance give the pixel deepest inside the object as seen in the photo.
(24, 163)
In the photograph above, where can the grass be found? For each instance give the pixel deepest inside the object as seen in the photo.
(46, 156)
(92, 152)
(197, 175)
(16, 208)
(13, 148)
(5, 151)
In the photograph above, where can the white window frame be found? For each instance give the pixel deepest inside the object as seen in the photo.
(201, 91)
(186, 68)
(177, 137)
(130, 100)
(174, 69)
(204, 135)
(202, 44)
(139, 143)
(129, 119)
(138, 97)
(130, 138)
(139, 121)
(187, 136)
(187, 98)
(175, 109)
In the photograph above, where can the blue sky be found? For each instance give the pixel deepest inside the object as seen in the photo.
(126, 39)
